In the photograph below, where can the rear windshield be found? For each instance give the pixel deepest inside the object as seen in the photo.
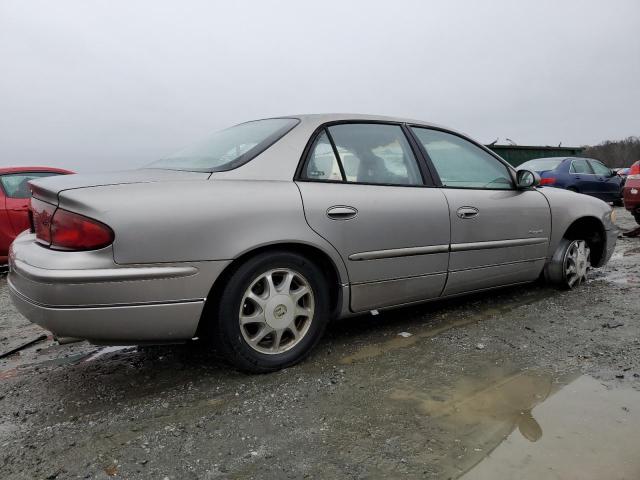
(541, 164)
(229, 148)
(16, 185)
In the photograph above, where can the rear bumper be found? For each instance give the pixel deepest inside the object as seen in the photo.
(87, 295)
(121, 324)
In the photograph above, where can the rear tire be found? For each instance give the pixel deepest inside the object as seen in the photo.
(569, 264)
(271, 313)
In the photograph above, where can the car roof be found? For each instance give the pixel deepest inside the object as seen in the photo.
(321, 118)
(550, 158)
(328, 117)
(6, 170)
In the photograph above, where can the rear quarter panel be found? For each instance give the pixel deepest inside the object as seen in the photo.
(188, 221)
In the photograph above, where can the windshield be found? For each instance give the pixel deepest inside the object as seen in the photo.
(541, 164)
(230, 148)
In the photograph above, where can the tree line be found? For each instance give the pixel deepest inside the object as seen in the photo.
(615, 154)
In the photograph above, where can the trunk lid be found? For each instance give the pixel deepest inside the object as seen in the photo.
(48, 189)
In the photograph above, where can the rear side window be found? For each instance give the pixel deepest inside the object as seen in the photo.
(580, 165)
(363, 153)
(461, 164)
(322, 164)
(16, 185)
(375, 153)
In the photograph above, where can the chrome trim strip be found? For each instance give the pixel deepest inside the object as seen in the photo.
(516, 242)
(399, 252)
(393, 279)
(96, 275)
(455, 247)
(530, 260)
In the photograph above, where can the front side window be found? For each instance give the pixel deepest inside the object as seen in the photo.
(580, 165)
(600, 169)
(461, 164)
(230, 148)
(375, 153)
(16, 185)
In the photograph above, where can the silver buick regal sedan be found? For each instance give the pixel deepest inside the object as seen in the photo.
(254, 239)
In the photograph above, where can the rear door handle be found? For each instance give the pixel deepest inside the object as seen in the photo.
(467, 212)
(341, 212)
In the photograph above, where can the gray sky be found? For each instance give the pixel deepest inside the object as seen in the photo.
(102, 85)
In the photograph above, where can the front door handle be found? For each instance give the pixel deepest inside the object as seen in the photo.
(341, 212)
(467, 212)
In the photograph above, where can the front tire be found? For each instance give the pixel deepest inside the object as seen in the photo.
(568, 267)
(271, 313)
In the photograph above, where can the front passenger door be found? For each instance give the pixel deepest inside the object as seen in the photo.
(608, 182)
(499, 234)
(18, 197)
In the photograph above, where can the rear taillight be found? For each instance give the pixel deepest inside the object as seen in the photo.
(42, 213)
(547, 181)
(64, 230)
(70, 231)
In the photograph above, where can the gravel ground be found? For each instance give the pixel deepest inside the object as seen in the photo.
(471, 385)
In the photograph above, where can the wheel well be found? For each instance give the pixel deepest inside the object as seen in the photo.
(313, 254)
(591, 230)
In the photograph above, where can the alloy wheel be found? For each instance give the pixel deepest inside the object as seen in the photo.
(276, 311)
(577, 262)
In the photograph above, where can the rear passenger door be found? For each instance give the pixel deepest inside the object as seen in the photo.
(364, 191)
(499, 234)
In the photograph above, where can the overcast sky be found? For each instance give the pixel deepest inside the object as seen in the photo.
(102, 85)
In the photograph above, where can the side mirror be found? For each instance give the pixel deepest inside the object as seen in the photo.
(527, 179)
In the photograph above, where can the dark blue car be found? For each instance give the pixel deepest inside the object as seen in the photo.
(583, 175)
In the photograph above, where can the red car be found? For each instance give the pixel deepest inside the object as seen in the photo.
(631, 192)
(14, 201)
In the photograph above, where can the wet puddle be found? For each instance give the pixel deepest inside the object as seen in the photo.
(531, 425)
